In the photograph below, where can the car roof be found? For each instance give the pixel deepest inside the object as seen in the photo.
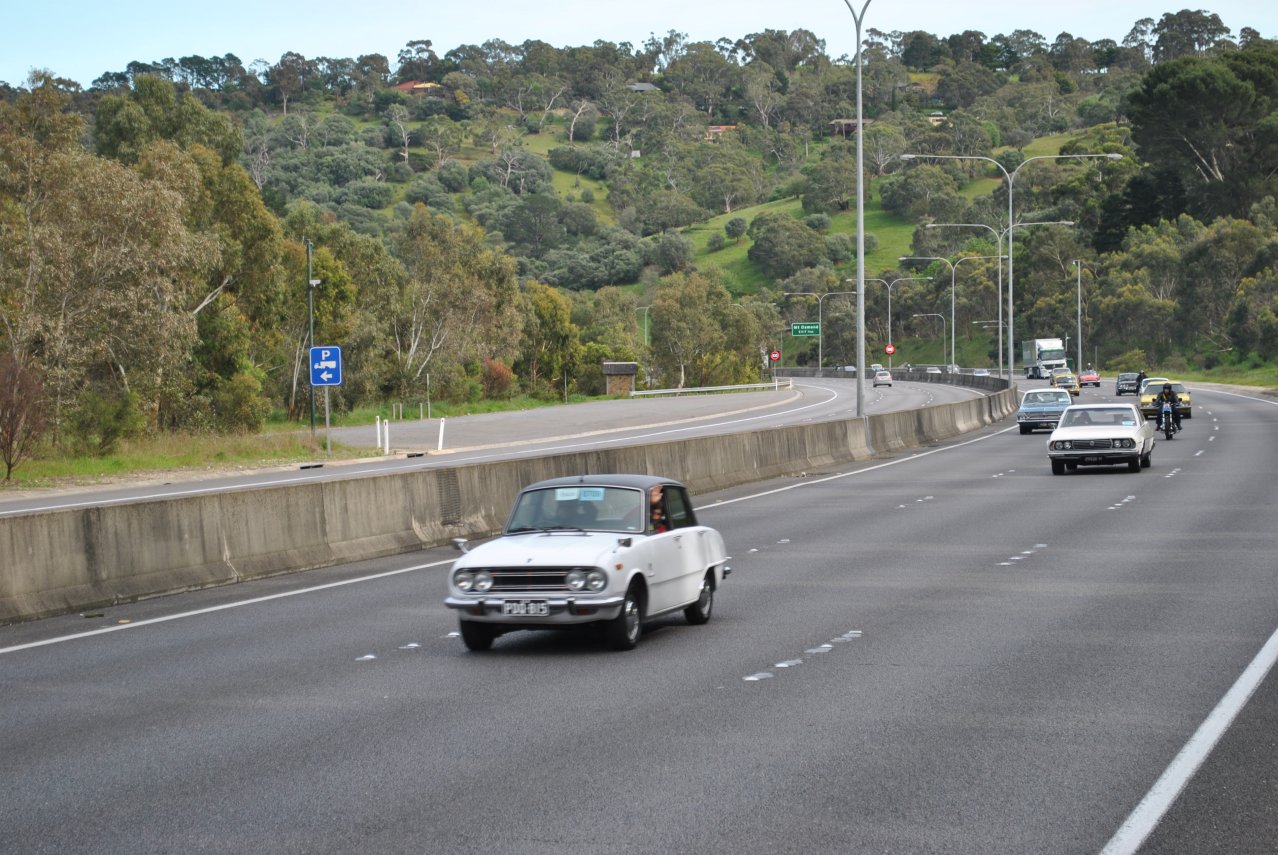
(1112, 405)
(639, 482)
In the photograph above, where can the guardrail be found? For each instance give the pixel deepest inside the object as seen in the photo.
(746, 387)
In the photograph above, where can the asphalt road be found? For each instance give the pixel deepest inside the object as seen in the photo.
(527, 433)
(951, 651)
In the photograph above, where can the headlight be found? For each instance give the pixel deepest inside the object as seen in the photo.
(483, 581)
(464, 580)
(1061, 445)
(1126, 443)
(591, 579)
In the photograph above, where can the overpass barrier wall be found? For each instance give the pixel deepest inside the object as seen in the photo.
(63, 561)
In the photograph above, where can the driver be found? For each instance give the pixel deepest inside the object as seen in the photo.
(1167, 396)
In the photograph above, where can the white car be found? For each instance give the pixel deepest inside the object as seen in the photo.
(606, 550)
(1100, 435)
(882, 378)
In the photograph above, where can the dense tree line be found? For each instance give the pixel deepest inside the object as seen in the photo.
(156, 226)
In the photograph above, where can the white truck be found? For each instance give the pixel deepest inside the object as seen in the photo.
(1041, 355)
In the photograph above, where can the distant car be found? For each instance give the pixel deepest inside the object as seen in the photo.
(1152, 390)
(605, 550)
(1058, 372)
(1068, 382)
(882, 378)
(932, 369)
(874, 366)
(1089, 377)
(1145, 383)
(980, 372)
(1125, 383)
(1101, 435)
(1042, 409)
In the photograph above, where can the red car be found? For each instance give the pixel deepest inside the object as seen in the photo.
(1089, 377)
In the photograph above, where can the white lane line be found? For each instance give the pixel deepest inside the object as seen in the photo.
(1132, 833)
(235, 605)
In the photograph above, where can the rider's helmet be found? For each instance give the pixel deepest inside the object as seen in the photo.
(1167, 387)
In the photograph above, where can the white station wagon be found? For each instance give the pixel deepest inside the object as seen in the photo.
(606, 550)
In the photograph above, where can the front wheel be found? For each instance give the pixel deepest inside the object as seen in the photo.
(1058, 467)
(623, 631)
(1169, 431)
(476, 636)
(1133, 465)
(699, 612)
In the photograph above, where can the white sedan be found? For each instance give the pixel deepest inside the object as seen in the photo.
(1100, 435)
(605, 550)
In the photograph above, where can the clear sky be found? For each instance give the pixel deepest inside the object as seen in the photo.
(82, 40)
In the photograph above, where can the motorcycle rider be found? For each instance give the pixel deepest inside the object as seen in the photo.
(1167, 396)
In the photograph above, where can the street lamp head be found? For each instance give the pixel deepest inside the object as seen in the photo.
(314, 282)
(1113, 155)
(908, 156)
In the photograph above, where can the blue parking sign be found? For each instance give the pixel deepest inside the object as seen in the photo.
(326, 365)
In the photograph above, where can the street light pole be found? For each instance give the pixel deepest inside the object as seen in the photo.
(820, 322)
(889, 285)
(1011, 181)
(953, 270)
(1079, 264)
(644, 309)
(860, 218)
(310, 320)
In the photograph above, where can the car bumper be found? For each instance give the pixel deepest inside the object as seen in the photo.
(561, 610)
(1114, 457)
(1039, 422)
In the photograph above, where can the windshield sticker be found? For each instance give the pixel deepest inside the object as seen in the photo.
(592, 494)
(566, 494)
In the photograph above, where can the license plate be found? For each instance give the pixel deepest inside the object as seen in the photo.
(526, 608)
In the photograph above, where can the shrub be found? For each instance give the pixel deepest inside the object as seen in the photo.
(716, 242)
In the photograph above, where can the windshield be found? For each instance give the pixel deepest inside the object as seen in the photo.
(1044, 398)
(579, 507)
(1090, 417)
(1048, 354)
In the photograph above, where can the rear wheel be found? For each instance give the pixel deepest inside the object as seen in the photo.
(477, 636)
(699, 612)
(623, 631)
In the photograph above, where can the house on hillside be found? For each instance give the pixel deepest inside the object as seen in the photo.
(643, 87)
(430, 90)
(846, 128)
(713, 132)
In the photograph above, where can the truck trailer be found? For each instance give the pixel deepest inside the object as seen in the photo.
(1041, 355)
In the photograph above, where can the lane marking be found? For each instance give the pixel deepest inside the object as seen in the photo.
(1154, 806)
(223, 607)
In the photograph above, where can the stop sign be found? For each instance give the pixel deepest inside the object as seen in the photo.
(774, 355)
(889, 349)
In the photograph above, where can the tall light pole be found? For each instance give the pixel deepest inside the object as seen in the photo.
(860, 218)
(942, 317)
(889, 285)
(1079, 264)
(1011, 181)
(820, 324)
(644, 309)
(998, 236)
(310, 319)
(953, 283)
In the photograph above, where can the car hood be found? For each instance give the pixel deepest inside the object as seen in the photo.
(548, 549)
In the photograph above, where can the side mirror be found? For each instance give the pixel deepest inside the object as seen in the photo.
(459, 543)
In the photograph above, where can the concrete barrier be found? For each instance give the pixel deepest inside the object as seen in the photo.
(62, 561)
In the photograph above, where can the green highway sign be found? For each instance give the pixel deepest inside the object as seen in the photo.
(805, 329)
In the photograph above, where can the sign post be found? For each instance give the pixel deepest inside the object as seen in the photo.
(326, 370)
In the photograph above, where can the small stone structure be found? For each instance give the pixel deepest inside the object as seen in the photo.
(619, 377)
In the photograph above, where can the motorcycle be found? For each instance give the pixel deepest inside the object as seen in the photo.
(1167, 421)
